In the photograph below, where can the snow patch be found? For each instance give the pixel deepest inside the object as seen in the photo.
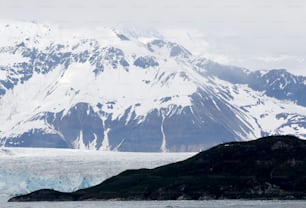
(78, 143)
(163, 146)
(9, 59)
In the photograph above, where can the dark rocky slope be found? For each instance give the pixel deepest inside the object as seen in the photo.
(270, 167)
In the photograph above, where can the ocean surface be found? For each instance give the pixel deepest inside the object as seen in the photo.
(160, 204)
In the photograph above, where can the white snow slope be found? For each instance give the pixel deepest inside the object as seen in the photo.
(135, 90)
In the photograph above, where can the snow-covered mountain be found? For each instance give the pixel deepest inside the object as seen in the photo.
(128, 91)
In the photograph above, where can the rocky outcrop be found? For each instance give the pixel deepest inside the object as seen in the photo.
(268, 168)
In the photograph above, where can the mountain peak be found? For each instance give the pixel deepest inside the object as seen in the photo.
(131, 91)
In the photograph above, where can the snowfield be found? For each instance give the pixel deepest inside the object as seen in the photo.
(23, 170)
(134, 91)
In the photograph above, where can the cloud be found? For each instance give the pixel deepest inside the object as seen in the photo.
(191, 38)
(239, 32)
(276, 58)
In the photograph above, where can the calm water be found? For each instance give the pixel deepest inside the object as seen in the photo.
(160, 204)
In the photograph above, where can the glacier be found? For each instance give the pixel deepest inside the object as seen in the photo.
(23, 170)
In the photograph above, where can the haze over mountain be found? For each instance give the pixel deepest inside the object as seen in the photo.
(130, 90)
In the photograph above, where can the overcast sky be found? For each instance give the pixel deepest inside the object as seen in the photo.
(257, 34)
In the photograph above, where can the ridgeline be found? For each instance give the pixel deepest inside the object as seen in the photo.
(267, 168)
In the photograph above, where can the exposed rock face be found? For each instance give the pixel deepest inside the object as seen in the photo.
(267, 168)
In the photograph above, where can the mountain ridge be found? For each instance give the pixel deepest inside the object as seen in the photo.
(135, 94)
